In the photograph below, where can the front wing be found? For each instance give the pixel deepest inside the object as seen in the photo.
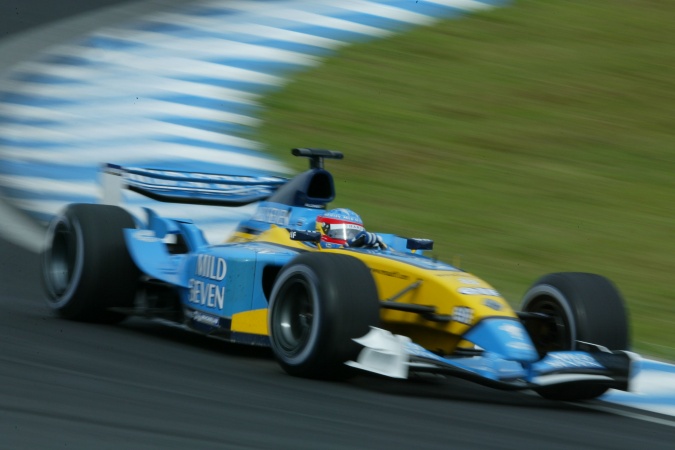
(397, 356)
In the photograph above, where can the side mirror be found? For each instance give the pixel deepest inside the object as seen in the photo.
(419, 244)
(305, 236)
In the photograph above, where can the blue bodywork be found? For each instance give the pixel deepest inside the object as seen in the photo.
(510, 361)
(206, 275)
(216, 282)
(220, 280)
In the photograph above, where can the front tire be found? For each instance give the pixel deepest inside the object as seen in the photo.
(581, 307)
(86, 268)
(321, 302)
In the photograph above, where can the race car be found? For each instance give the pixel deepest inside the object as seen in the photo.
(327, 311)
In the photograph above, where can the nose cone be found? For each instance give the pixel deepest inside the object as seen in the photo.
(505, 337)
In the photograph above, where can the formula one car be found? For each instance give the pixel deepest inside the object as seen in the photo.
(327, 312)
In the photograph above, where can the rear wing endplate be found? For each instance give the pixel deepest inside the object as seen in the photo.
(186, 187)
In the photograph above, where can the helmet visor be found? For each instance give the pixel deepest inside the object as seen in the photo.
(342, 231)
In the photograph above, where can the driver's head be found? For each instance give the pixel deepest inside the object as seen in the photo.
(338, 226)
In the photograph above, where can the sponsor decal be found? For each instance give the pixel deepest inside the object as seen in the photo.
(201, 182)
(146, 236)
(470, 281)
(478, 291)
(462, 314)
(564, 360)
(416, 350)
(204, 292)
(304, 236)
(208, 294)
(520, 346)
(277, 216)
(390, 273)
(514, 331)
(208, 266)
(420, 262)
(205, 318)
(519, 336)
(493, 304)
(171, 177)
(300, 222)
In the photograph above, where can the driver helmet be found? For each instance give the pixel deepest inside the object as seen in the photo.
(338, 226)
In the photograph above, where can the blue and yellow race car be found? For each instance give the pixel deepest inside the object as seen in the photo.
(328, 307)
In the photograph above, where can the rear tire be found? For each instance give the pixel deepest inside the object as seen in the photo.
(321, 302)
(583, 307)
(86, 267)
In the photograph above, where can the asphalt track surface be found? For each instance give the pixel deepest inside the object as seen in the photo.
(141, 385)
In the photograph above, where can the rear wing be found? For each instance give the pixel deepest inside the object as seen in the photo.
(186, 187)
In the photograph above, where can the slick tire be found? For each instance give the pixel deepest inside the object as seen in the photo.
(86, 268)
(321, 302)
(583, 307)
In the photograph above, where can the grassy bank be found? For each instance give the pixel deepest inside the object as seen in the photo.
(525, 140)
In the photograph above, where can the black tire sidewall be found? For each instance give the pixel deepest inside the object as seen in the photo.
(593, 305)
(533, 301)
(345, 306)
(299, 273)
(594, 312)
(104, 275)
(57, 299)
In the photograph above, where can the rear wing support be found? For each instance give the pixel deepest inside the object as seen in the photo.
(316, 156)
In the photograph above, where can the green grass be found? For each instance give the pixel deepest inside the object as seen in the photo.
(524, 140)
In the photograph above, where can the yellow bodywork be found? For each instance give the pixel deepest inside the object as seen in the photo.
(437, 288)
(251, 322)
(400, 282)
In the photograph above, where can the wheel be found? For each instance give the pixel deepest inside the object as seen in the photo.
(582, 307)
(321, 302)
(86, 268)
